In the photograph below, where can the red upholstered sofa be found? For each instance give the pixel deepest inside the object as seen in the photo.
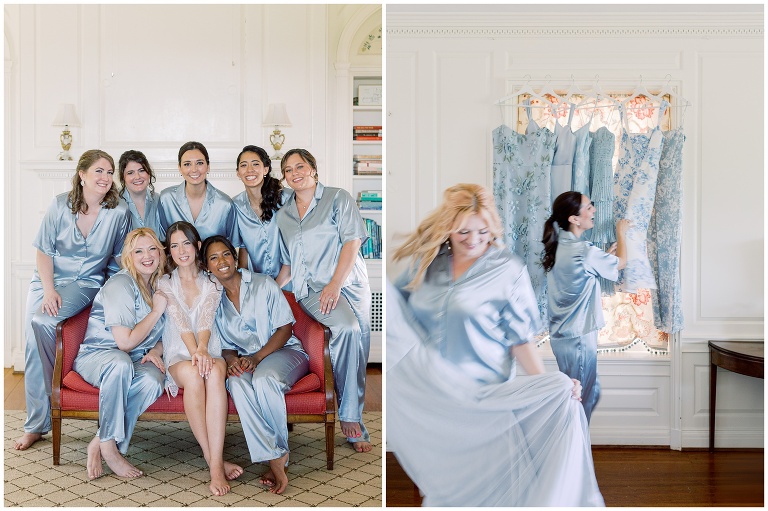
(310, 400)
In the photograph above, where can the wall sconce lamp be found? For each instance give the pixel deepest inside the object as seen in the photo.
(66, 116)
(277, 116)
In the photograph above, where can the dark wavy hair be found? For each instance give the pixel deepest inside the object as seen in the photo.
(271, 189)
(304, 155)
(210, 240)
(138, 157)
(189, 146)
(191, 233)
(75, 196)
(565, 205)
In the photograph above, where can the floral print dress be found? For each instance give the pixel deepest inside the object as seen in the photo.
(635, 189)
(522, 189)
(665, 233)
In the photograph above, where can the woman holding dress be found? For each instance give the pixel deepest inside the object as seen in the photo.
(78, 244)
(256, 234)
(122, 351)
(196, 200)
(465, 428)
(264, 359)
(192, 349)
(321, 232)
(137, 182)
(575, 306)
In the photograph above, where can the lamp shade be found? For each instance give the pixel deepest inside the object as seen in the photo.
(66, 116)
(277, 116)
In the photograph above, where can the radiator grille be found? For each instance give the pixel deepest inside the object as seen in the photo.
(376, 311)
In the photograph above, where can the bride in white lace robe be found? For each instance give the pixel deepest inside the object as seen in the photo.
(192, 350)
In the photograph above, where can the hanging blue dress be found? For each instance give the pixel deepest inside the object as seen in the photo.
(521, 189)
(603, 234)
(463, 426)
(665, 234)
(635, 188)
(581, 155)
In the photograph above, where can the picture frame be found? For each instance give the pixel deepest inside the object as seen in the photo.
(369, 95)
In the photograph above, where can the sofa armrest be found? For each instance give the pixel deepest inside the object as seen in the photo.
(315, 338)
(69, 336)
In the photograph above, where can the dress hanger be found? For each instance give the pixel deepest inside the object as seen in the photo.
(575, 90)
(640, 91)
(525, 89)
(679, 100)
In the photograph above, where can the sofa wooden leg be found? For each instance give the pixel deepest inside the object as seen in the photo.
(56, 433)
(329, 437)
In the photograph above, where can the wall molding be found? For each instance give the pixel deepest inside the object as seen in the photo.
(506, 24)
(573, 32)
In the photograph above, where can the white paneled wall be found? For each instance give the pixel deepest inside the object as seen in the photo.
(151, 77)
(447, 65)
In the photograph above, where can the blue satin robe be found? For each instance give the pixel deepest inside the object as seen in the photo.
(455, 406)
(311, 246)
(130, 387)
(575, 310)
(151, 213)
(261, 239)
(217, 215)
(80, 266)
(260, 395)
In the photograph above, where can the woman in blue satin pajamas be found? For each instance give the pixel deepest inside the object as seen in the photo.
(138, 190)
(575, 306)
(264, 359)
(196, 200)
(122, 353)
(321, 232)
(256, 234)
(78, 244)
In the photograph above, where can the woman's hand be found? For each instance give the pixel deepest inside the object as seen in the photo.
(156, 358)
(51, 303)
(204, 361)
(612, 248)
(622, 226)
(576, 392)
(159, 302)
(329, 297)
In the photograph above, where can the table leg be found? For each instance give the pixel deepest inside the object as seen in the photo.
(712, 404)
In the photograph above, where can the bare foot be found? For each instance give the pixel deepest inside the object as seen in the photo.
(117, 463)
(351, 429)
(267, 478)
(95, 469)
(219, 485)
(361, 446)
(26, 440)
(232, 471)
(276, 478)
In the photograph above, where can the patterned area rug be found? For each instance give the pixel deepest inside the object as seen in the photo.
(176, 474)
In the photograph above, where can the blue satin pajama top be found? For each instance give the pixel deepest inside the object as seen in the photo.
(261, 239)
(263, 309)
(476, 320)
(217, 216)
(575, 306)
(311, 246)
(151, 213)
(119, 303)
(75, 258)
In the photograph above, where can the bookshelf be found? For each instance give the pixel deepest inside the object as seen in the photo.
(366, 169)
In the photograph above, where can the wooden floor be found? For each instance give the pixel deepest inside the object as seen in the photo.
(14, 389)
(644, 477)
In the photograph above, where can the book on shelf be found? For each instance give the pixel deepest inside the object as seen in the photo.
(366, 137)
(371, 195)
(371, 249)
(367, 165)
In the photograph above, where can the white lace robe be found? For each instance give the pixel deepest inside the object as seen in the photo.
(181, 318)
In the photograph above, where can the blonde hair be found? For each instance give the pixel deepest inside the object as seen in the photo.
(459, 202)
(126, 261)
(76, 199)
